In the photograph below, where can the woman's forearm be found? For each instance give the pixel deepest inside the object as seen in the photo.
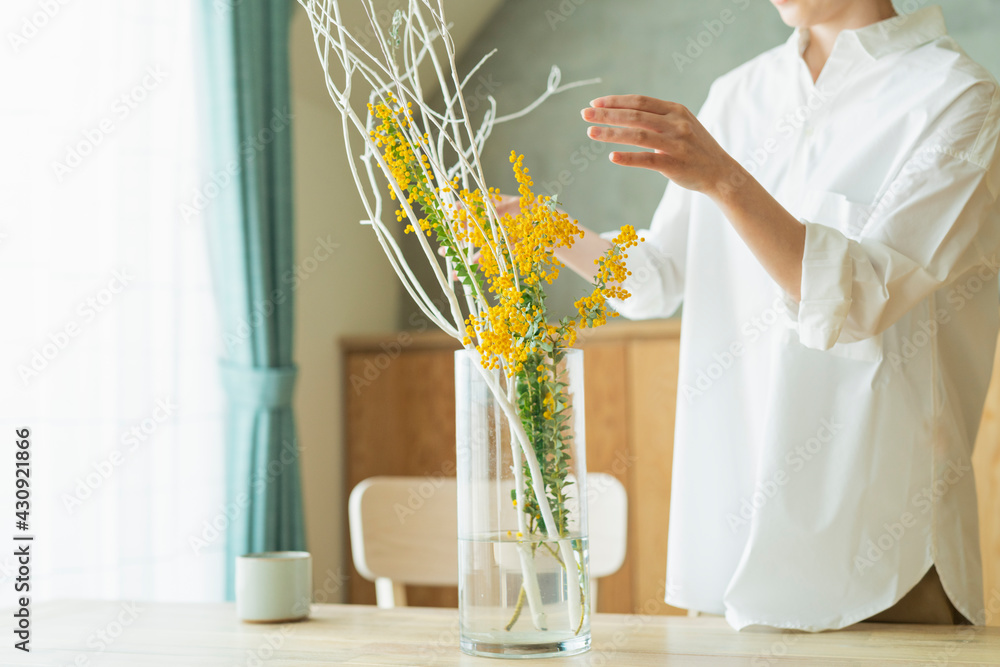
(771, 233)
(583, 255)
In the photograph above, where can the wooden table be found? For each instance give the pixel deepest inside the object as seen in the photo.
(98, 634)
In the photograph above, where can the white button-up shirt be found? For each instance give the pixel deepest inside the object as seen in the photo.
(822, 454)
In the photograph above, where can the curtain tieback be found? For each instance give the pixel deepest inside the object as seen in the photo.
(259, 387)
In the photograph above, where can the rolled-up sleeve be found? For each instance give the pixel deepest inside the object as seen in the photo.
(935, 221)
(827, 285)
(945, 225)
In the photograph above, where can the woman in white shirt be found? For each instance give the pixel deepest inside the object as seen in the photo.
(831, 226)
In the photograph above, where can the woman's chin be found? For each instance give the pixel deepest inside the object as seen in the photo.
(790, 13)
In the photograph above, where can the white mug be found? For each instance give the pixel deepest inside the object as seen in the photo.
(274, 586)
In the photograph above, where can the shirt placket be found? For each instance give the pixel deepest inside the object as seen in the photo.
(817, 98)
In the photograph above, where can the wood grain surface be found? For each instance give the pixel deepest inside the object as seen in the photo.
(209, 635)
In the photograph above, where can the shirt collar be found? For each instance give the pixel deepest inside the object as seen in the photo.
(899, 33)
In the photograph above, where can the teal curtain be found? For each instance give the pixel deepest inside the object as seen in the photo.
(246, 206)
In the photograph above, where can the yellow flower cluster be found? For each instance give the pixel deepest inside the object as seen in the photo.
(516, 260)
(516, 251)
(410, 169)
(611, 274)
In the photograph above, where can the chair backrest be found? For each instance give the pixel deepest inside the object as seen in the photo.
(404, 530)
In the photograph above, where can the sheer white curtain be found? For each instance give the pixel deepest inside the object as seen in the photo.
(109, 344)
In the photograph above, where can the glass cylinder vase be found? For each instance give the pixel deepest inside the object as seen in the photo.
(524, 580)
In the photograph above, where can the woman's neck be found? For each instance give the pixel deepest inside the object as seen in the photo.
(822, 36)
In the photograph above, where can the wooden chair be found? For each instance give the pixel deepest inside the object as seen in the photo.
(404, 530)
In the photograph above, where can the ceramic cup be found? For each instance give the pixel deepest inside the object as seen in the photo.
(274, 586)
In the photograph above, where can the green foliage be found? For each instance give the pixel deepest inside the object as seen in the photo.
(543, 404)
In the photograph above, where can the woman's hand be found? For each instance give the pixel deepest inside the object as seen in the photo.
(507, 204)
(683, 150)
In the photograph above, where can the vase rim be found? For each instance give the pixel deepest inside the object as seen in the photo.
(566, 350)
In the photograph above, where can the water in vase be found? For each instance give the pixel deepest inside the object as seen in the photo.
(518, 597)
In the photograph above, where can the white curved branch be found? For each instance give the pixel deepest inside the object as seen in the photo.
(452, 147)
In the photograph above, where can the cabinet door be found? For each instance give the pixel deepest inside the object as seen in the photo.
(606, 391)
(400, 421)
(652, 400)
(986, 464)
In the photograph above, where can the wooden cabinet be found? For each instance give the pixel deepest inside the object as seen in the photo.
(400, 420)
